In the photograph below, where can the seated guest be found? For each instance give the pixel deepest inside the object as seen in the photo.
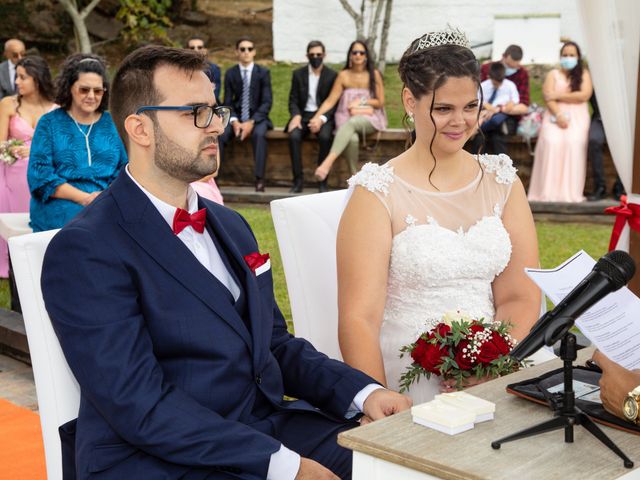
(213, 70)
(76, 152)
(496, 141)
(310, 86)
(247, 90)
(619, 387)
(19, 115)
(500, 98)
(166, 315)
(359, 94)
(208, 188)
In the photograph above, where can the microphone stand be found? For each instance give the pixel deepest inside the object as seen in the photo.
(565, 412)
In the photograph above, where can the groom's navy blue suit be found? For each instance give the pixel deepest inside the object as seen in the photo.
(177, 380)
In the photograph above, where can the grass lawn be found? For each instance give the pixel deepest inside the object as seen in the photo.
(557, 242)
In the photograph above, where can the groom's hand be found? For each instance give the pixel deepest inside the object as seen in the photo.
(310, 469)
(382, 403)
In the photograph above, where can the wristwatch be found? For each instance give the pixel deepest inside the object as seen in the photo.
(631, 405)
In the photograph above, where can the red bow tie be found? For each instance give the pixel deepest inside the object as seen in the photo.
(182, 219)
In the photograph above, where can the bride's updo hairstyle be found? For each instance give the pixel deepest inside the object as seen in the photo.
(430, 61)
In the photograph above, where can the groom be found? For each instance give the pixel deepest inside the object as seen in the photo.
(181, 353)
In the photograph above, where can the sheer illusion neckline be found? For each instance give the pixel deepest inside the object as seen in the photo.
(464, 188)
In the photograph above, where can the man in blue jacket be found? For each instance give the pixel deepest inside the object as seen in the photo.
(165, 311)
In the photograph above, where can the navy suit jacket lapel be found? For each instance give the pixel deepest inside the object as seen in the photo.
(145, 225)
(252, 292)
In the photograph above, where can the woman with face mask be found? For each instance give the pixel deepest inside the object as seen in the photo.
(560, 161)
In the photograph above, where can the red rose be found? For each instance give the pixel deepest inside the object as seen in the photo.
(428, 355)
(493, 348)
(462, 358)
(476, 327)
(442, 329)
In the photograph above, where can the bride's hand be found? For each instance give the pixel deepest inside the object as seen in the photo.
(449, 385)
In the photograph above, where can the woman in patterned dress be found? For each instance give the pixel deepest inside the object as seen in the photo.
(435, 229)
(76, 151)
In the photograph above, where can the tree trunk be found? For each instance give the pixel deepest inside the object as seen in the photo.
(373, 28)
(78, 18)
(384, 38)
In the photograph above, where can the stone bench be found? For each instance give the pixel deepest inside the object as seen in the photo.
(237, 169)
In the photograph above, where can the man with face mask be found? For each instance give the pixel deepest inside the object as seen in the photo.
(310, 86)
(518, 74)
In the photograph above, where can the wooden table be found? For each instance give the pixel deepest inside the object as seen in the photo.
(396, 448)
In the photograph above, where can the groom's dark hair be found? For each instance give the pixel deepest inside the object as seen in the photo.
(133, 85)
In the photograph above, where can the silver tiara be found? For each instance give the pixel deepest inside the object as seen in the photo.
(450, 36)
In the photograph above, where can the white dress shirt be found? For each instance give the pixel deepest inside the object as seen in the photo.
(285, 463)
(312, 100)
(249, 70)
(12, 74)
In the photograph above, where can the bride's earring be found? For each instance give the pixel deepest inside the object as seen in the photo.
(411, 119)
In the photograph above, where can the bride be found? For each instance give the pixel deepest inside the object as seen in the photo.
(435, 229)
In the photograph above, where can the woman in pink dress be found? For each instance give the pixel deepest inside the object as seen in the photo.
(560, 162)
(19, 115)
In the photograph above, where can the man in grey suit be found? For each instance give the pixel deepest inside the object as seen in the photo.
(13, 51)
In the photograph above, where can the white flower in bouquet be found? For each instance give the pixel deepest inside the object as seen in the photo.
(6, 156)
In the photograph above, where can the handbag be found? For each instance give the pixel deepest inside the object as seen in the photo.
(361, 110)
(529, 125)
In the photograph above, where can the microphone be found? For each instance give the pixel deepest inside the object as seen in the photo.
(610, 273)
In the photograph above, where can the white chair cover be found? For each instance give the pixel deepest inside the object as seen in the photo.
(306, 228)
(57, 390)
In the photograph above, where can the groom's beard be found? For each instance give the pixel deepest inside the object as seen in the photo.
(180, 163)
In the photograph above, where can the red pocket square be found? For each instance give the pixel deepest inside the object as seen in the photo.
(255, 260)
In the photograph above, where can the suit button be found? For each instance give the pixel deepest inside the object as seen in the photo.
(258, 379)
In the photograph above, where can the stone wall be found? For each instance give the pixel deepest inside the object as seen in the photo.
(237, 169)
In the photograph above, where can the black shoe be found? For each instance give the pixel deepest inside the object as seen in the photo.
(618, 191)
(297, 186)
(598, 194)
(322, 187)
(259, 185)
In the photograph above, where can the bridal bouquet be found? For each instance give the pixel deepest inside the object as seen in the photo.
(6, 156)
(458, 348)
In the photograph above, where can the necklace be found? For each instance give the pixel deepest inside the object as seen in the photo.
(86, 137)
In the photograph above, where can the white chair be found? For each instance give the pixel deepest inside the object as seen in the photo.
(306, 228)
(13, 224)
(57, 390)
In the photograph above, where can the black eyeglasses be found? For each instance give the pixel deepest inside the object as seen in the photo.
(358, 52)
(315, 55)
(246, 49)
(202, 113)
(196, 47)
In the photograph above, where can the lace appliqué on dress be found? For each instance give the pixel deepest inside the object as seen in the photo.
(502, 165)
(373, 177)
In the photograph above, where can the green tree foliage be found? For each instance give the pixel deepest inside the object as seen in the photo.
(145, 20)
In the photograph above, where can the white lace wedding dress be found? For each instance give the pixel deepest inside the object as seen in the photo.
(447, 248)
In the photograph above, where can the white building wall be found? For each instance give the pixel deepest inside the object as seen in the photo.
(296, 22)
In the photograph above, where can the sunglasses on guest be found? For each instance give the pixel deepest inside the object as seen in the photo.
(196, 47)
(97, 91)
(358, 52)
(315, 55)
(246, 49)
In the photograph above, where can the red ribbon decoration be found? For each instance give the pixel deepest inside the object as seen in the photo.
(256, 260)
(625, 213)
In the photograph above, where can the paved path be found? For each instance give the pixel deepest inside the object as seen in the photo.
(16, 383)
